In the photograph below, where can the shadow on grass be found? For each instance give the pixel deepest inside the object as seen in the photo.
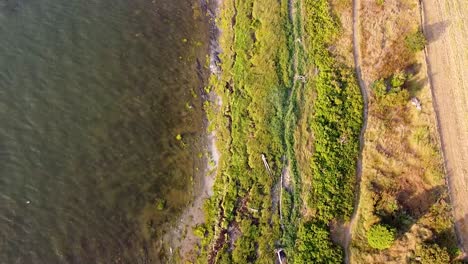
(412, 208)
(415, 83)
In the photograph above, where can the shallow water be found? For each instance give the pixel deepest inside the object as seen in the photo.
(93, 94)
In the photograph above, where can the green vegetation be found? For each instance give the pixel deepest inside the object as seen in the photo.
(253, 84)
(398, 79)
(314, 245)
(335, 125)
(416, 41)
(337, 120)
(259, 94)
(432, 254)
(264, 54)
(199, 231)
(389, 97)
(380, 236)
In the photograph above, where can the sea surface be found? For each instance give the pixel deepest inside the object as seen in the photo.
(101, 126)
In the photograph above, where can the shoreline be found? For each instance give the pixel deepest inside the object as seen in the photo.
(181, 239)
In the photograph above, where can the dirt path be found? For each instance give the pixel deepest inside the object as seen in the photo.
(445, 24)
(363, 86)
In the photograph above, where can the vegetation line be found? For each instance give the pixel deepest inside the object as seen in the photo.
(363, 87)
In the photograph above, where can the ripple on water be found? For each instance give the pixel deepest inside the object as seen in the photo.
(92, 96)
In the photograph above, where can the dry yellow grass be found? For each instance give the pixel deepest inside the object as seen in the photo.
(401, 161)
(401, 158)
(343, 48)
(383, 29)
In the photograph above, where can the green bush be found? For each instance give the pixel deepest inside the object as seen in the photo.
(416, 41)
(314, 245)
(380, 237)
(432, 254)
(388, 100)
(398, 79)
(379, 88)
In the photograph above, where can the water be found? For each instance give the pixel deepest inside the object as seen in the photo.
(93, 94)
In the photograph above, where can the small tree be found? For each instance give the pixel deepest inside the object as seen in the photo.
(380, 237)
(416, 41)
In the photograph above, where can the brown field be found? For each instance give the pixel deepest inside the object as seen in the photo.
(446, 27)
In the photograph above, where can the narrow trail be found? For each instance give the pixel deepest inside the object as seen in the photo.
(297, 36)
(363, 87)
(296, 83)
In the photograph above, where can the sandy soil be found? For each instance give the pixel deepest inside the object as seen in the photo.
(446, 27)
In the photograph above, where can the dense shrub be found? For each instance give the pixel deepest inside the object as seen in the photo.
(432, 254)
(398, 79)
(416, 41)
(390, 98)
(380, 236)
(314, 245)
(337, 120)
(379, 88)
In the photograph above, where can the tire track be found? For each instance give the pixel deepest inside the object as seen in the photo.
(445, 25)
